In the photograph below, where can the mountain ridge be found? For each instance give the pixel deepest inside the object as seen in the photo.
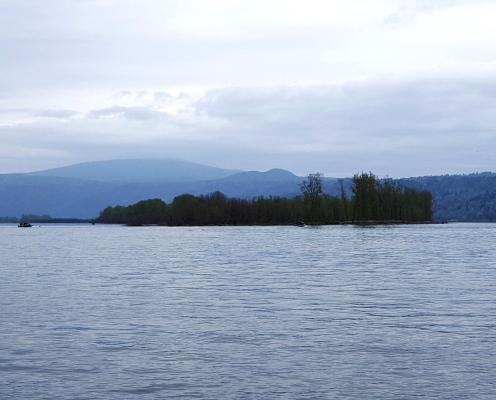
(136, 170)
(463, 197)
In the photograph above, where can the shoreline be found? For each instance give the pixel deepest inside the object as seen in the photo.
(76, 221)
(298, 225)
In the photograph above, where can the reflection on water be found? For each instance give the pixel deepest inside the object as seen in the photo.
(252, 312)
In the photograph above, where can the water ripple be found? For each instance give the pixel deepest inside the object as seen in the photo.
(396, 312)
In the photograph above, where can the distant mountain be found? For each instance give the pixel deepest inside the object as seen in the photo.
(82, 198)
(83, 190)
(460, 197)
(58, 197)
(272, 175)
(138, 171)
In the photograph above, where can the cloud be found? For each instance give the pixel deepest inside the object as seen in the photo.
(395, 86)
(407, 11)
(393, 127)
(130, 113)
(62, 114)
(71, 46)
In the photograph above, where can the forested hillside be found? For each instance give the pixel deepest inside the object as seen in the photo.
(460, 197)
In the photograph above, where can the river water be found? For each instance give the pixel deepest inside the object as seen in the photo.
(110, 312)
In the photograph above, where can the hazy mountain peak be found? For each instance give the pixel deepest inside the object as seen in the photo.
(280, 173)
(139, 170)
(272, 175)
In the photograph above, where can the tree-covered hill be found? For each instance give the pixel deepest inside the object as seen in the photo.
(460, 197)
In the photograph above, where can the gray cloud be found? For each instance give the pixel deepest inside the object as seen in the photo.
(307, 87)
(393, 110)
(400, 128)
(63, 114)
(130, 113)
(70, 45)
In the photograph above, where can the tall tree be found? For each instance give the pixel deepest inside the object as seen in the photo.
(311, 189)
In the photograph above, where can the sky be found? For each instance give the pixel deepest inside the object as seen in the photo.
(397, 87)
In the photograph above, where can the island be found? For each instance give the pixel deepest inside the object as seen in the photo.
(372, 201)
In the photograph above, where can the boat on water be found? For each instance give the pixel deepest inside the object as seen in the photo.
(24, 225)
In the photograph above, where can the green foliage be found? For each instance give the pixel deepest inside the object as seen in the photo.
(146, 212)
(372, 200)
(311, 189)
(459, 197)
(376, 200)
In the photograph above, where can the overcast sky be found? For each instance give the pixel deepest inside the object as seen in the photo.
(398, 87)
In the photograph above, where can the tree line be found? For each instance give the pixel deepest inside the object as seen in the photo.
(372, 201)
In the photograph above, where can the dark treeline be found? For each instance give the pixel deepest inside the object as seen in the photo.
(372, 200)
(26, 218)
(4, 220)
(45, 219)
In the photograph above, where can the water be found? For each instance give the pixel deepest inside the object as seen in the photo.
(403, 312)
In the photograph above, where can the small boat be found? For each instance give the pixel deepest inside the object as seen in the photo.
(24, 225)
(300, 223)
